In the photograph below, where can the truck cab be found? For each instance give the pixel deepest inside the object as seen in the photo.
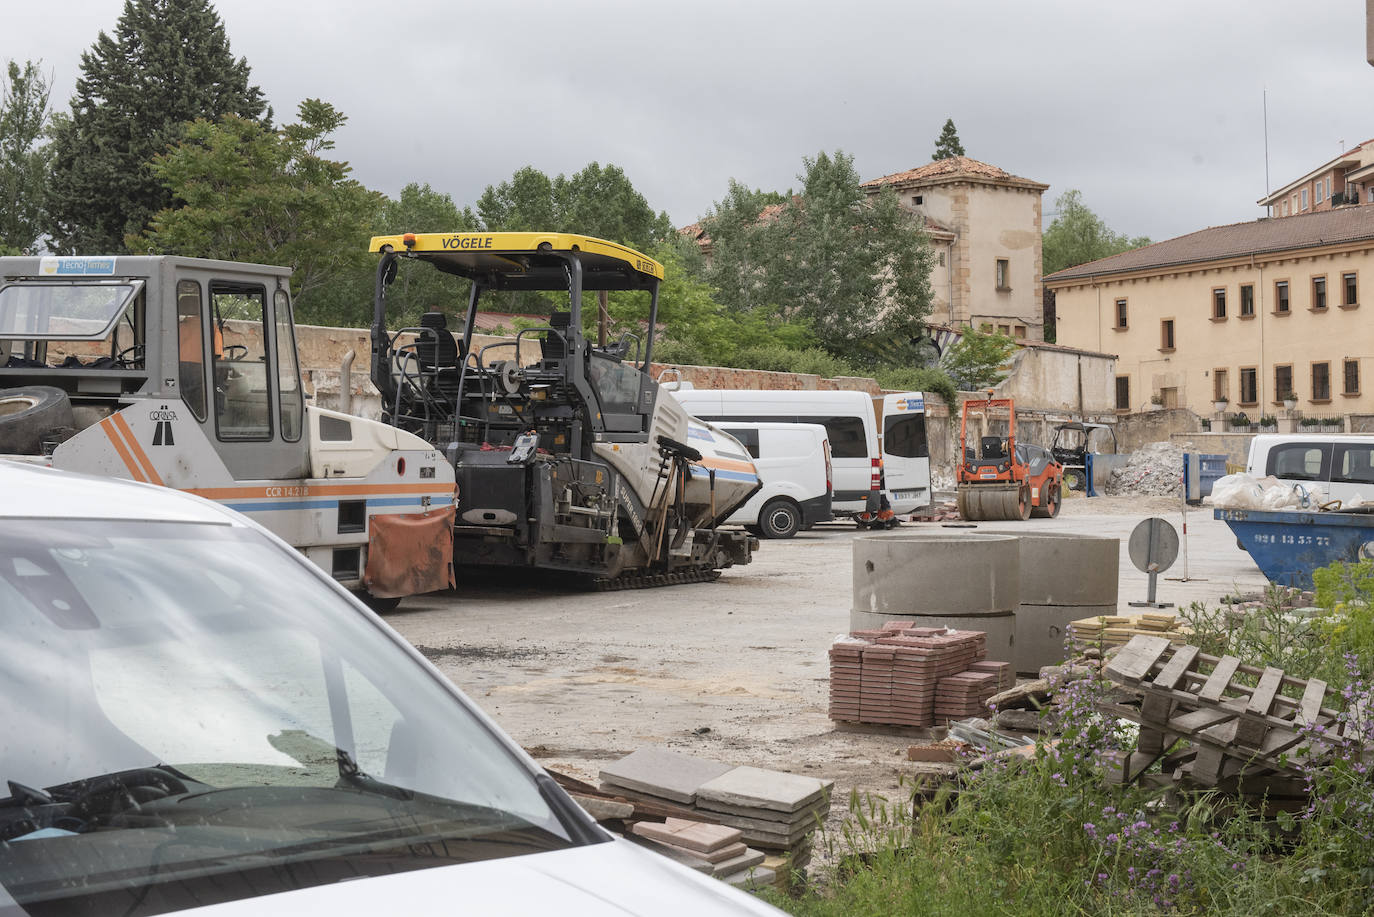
(183, 372)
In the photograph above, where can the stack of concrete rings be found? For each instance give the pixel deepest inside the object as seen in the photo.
(939, 579)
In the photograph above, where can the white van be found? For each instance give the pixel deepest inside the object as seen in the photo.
(851, 426)
(1341, 464)
(793, 462)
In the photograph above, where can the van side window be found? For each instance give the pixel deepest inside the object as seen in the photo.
(1299, 461)
(749, 439)
(906, 437)
(846, 436)
(1353, 464)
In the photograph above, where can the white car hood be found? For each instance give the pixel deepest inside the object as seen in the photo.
(616, 878)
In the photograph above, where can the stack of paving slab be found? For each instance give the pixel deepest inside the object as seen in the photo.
(1106, 631)
(716, 850)
(773, 810)
(893, 676)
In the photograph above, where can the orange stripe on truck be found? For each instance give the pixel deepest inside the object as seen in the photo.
(115, 440)
(139, 454)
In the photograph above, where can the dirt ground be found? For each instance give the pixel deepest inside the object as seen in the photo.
(734, 670)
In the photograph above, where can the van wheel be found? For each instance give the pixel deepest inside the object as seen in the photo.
(780, 519)
(31, 414)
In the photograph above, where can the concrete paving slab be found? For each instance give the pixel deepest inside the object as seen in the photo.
(755, 786)
(663, 772)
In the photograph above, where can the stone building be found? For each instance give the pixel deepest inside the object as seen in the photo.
(1233, 317)
(984, 225)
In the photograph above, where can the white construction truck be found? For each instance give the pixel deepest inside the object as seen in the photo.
(182, 372)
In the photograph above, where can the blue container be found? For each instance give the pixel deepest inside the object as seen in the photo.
(1287, 545)
(1200, 471)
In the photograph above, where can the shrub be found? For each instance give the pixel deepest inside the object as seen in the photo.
(919, 379)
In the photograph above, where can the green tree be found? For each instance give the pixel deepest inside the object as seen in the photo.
(1077, 235)
(598, 201)
(245, 192)
(947, 145)
(743, 247)
(977, 359)
(168, 63)
(419, 287)
(23, 159)
(848, 267)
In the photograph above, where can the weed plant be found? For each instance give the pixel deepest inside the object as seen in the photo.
(1052, 834)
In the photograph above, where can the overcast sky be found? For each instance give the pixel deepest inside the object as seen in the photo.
(1153, 110)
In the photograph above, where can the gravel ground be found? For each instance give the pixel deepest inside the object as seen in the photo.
(734, 670)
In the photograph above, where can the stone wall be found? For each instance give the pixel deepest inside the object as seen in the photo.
(1136, 430)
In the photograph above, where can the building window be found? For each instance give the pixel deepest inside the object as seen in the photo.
(1019, 332)
(1219, 303)
(1321, 381)
(1370, 193)
(1003, 274)
(1352, 290)
(1350, 371)
(1304, 199)
(1318, 294)
(940, 258)
(1123, 393)
(918, 200)
(1317, 193)
(1295, 202)
(1004, 330)
(1247, 300)
(1285, 208)
(1166, 334)
(985, 327)
(1221, 385)
(1281, 297)
(1249, 386)
(1283, 382)
(1121, 315)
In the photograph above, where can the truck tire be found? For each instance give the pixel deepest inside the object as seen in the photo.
(779, 518)
(29, 414)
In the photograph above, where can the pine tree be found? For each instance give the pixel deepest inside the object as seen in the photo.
(168, 63)
(23, 160)
(948, 145)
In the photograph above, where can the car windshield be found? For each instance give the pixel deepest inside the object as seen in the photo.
(191, 716)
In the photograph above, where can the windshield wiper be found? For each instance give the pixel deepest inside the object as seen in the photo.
(357, 778)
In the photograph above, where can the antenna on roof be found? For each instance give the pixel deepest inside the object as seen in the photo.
(1266, 141)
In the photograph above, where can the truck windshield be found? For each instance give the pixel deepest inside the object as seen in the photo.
(63, 311)
(192, 715)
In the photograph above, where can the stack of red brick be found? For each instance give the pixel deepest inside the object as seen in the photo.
(904, 675)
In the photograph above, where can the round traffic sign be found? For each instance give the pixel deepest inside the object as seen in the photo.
(1153, 546)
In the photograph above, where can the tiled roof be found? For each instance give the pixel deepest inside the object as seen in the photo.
(1258, 237)
(952, 169)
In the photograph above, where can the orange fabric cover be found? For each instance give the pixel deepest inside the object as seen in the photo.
(410, 554)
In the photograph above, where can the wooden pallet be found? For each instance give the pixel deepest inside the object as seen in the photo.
(1205, 700)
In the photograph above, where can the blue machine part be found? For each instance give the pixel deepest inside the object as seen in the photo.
(1200, 471)
(1287, 545)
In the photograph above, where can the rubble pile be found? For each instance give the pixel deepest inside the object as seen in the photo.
(1154, 470)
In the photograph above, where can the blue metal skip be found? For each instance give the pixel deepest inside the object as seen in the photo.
(1287, 545)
